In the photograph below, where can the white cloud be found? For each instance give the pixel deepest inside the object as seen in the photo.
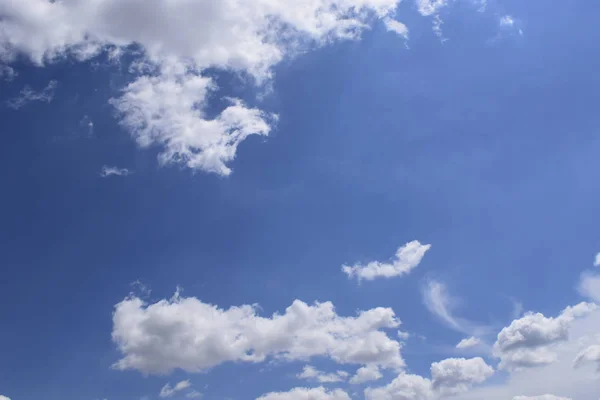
(457, 375)
(107, 171)
(193, 395)
(169, 391)
(311, 373)
(589, 286)
(528, 341)
(4, 397)
(468, 343)
(366, 374)
(165, 107)
(403, 335)
(507, 21)
(597, 260)
(28, 95)
(188, 334)
(430, 7)
(396, 26)
(403, 387)
(590, 354)
(407, 258)
(167, 110)
(307, 394)
(542, 397)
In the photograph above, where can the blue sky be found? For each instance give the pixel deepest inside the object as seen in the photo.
(185, 180)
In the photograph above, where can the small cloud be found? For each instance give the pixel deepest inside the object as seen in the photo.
(168, 391)
(507, 21)
(366, 374)
(194, 394)
(407, 258)
(468, 343)
(397, 27)
(7, 73)
(28, 95)
(107, 171)
(597, 260)
(403, 335)
(311, 373)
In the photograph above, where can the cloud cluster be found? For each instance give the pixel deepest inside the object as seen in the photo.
(407, 258)
(528, 341)
(185, 333)
(448, 377)
(165, 106)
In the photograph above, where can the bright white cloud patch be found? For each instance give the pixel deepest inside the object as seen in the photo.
(457, 375)
(507, 21)
(28, 95)
(597, 260)
(589, 286)
(396, 26)
(403, 387)
(366, 374)
(180, 40)
(468, 343)
(407, 258)
(188, 334)
(430, 7)
(529, 341)
(312, 374)
(319, 393)
(169, 391)
(107, 171)
(4, 397)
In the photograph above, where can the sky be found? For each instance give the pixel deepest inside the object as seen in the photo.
(299, 200)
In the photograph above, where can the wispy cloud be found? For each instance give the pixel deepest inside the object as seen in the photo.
(107, 171)
(28, 95)
(597, 260)
(169, 391)
(441, 304)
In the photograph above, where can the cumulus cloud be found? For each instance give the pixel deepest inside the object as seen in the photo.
(311, 373)
(528, 341)
(319, 393)
(589, 286)
(407, 258)
(430, 7)
(457, 375)
(366, 374)
(168, 110)
(107, 171)
(403, 387)
(4, 397)
(468, 343)
(179, 41)
(185, 333)
(169, 391)
(597, 260)
(28, 95)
